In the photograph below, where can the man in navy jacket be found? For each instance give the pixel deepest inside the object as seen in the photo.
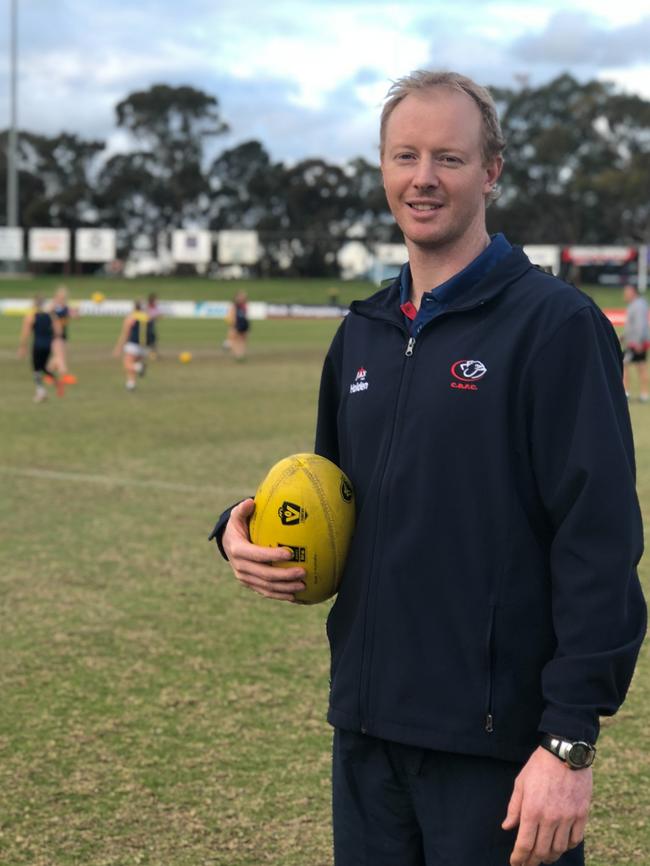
(490, 610)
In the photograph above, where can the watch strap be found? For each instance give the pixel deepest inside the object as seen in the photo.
(566, 750)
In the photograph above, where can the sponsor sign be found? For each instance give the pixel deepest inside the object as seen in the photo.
(305, 311)
(178, 309)
(120, 307)
(211, 309)
(105, 308)
(257, 310)
(219, 310)
(95, 245)
(15, 306)
(616, 317)
(391, 254)
(49, 245)
(11, 244)
(191, 247)
(544, 256)
(599, 255)
(238, 248)
(355, 260)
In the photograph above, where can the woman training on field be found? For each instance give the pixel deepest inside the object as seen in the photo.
(44, 328)
(61, 310)
(130, 345)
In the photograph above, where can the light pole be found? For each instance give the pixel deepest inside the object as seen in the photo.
(12, 144)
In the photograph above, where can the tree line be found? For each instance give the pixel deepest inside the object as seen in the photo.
(577, 171)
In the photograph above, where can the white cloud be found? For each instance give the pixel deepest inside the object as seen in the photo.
(634, 80)
(304, 78)
(328, 47)
(573, 38)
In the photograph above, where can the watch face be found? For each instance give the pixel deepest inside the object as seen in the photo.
(580, 755)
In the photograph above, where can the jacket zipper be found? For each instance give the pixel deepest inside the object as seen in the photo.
(489, 712)
(364, 677)
(366, 659)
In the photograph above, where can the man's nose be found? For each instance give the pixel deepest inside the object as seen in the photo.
(426, 175)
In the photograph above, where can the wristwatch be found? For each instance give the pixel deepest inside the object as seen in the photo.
(575, 753)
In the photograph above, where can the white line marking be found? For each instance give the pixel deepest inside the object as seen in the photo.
(114, 481)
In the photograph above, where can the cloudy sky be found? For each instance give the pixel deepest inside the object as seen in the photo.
(305, 77)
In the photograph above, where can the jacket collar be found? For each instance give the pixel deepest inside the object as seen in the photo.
(450, 291)
(385, 303)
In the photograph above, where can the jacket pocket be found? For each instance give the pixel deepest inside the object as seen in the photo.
(489, 685)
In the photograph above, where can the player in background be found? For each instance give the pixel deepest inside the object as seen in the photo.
(153, 314)
(230, 333)
(130, 345)
(636, 341)
(62, 311)
(43, 328)
(239, 326)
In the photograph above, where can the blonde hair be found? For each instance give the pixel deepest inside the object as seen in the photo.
(492, 140)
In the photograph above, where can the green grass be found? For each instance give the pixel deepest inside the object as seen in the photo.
(313, 291)
(280, 290)
(152, 711)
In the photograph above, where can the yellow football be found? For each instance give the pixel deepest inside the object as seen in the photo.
(185, 357)
(98, 297)
(306, 503)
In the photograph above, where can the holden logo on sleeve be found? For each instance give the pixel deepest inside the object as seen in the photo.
(360, 382)
(467, 373)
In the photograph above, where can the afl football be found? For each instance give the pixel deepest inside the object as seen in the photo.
(306, 504)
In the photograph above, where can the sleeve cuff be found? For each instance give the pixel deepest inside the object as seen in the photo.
(582, 726)
(219, 527)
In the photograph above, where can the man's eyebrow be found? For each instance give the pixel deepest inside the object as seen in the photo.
(451, 148)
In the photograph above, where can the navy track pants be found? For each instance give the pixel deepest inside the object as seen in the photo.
(397, 805)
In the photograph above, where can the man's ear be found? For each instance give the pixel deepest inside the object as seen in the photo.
(492, 173)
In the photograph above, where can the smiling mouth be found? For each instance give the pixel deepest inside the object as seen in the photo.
(423, 208)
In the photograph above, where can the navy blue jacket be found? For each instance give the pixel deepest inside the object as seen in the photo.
(491, 589)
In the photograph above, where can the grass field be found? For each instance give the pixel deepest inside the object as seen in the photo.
(152, 711)
(314, 291)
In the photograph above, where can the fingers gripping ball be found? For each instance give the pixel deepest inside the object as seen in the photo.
(306, 504)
